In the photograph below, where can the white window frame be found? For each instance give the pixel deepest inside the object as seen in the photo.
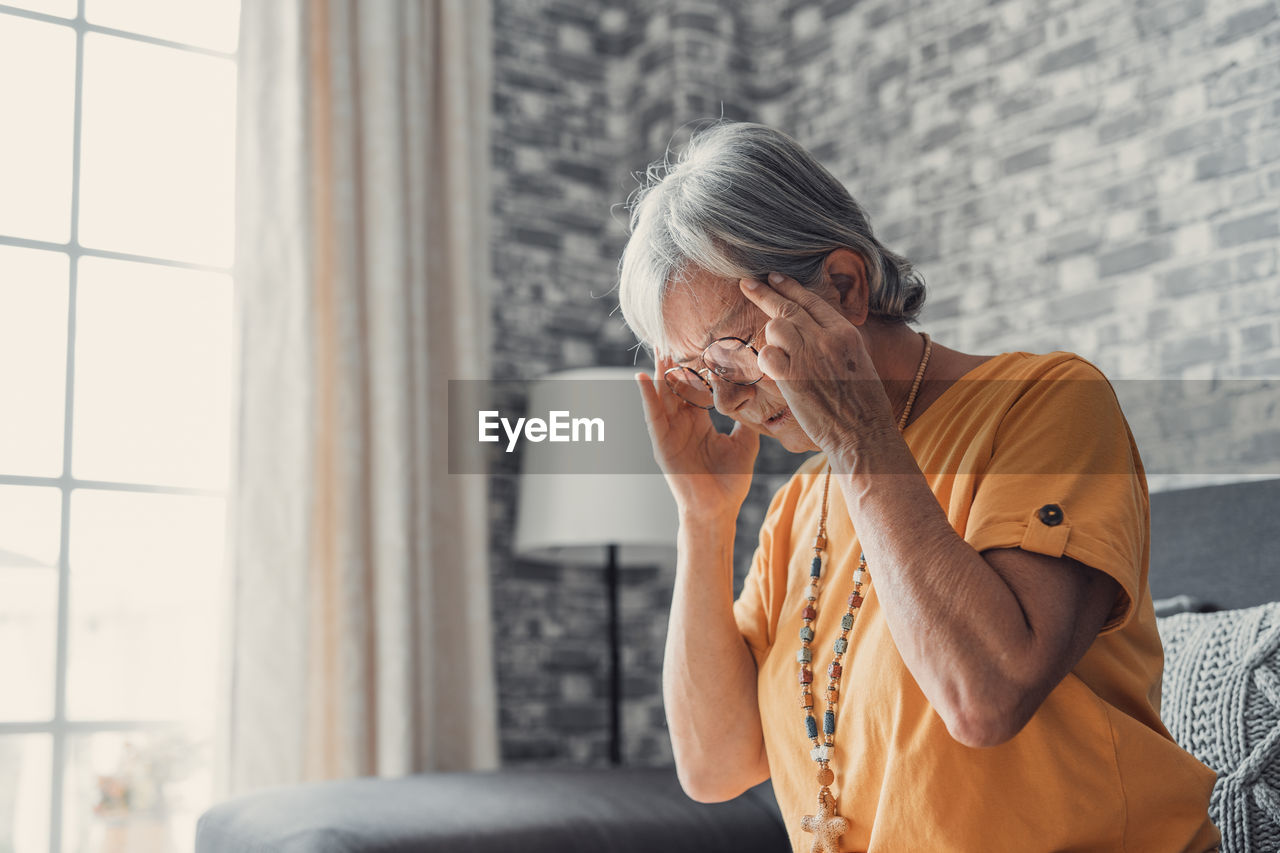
(59, 726)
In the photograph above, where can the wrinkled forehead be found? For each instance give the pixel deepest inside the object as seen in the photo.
(702, 307)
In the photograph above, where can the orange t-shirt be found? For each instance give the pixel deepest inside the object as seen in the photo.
(1094, 769)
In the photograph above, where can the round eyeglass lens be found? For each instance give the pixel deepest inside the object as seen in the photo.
(690, 387)
(733, 361)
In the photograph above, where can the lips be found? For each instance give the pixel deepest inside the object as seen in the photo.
(779, 417)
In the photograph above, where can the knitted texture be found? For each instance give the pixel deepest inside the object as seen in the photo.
(1221, 702)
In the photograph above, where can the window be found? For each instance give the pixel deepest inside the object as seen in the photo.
(116, 244)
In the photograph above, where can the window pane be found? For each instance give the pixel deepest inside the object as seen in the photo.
(29, 530)
(153, 374)
(205, 23)
(33, 358)
(145, 600)
(25, 765)
(35, 147)
(157, 153)
(30, 525)
(139, 792)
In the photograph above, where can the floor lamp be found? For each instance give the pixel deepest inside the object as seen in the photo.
(600, 503)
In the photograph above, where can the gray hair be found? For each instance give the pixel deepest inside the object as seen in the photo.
(741, 201)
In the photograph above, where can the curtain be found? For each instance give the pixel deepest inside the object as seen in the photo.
(359, 610)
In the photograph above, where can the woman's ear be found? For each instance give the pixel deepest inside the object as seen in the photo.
(847, 272)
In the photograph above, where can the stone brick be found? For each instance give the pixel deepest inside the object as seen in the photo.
(588, 173)
(1162, 19)
(882, 14)
(573, 716)
(1072, 115)
(1263, 449)
(1072, 243)
(536, 571)
(1078, 307)
(967, 95)
(518, 749)
(523, 80)
(1267, 146)
(1257, 338)
(884, 72)
(1126, 125)
(1196, 349)
(1244, 23)
(1133, 257)
(1259, 226)
(942, 134)
(970, 35)
(575, 68)
(1039, 155)
(698, 21)
(1254, 265)
(567, 13)
(1069, 56)
(1239, 83)
(1021, 43)
(1228, 160)
(940, 309)
(1268, 367)
(1194, 278)
(1193, 136)
(654, 56)
(1019, 102)
(1130, 193)
(534, 237)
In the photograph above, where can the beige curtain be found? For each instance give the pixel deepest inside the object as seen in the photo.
(359, 620)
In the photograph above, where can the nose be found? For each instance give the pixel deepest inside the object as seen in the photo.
(728, 396)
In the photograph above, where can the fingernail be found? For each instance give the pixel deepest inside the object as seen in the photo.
(749, 283)
(775, 278)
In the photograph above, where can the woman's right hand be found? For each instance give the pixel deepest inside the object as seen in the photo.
(709, 472)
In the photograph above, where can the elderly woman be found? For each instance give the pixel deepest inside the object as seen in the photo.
(946, 639)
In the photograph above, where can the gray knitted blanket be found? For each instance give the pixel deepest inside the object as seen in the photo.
(1221, 702)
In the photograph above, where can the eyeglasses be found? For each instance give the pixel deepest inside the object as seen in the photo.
(730, 359)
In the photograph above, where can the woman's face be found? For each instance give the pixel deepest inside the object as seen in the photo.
(722, 311)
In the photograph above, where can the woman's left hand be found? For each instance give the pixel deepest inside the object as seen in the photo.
(821, 365)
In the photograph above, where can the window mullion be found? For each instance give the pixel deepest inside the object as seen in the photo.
(64, 570)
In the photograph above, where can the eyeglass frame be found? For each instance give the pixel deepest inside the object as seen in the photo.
(707, 368)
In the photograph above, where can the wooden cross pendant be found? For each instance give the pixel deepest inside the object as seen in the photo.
(826, 825)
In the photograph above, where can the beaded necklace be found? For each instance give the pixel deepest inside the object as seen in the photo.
(827, 825)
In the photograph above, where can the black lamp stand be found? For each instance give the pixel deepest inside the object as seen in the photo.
(615, 671)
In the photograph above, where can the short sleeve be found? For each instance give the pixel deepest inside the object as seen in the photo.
(751, 610)
(1065, 479)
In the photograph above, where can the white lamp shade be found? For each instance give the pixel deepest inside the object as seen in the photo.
(566, 515)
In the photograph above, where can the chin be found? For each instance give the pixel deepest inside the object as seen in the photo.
(795, 443)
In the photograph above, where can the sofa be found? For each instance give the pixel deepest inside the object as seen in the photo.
(1218, 598)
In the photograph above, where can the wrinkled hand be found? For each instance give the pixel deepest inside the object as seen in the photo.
(709, 472)
(820, 363)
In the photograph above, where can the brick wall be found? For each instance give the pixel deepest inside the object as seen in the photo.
(586, 95)
(1082, 175)
(1091, 176)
